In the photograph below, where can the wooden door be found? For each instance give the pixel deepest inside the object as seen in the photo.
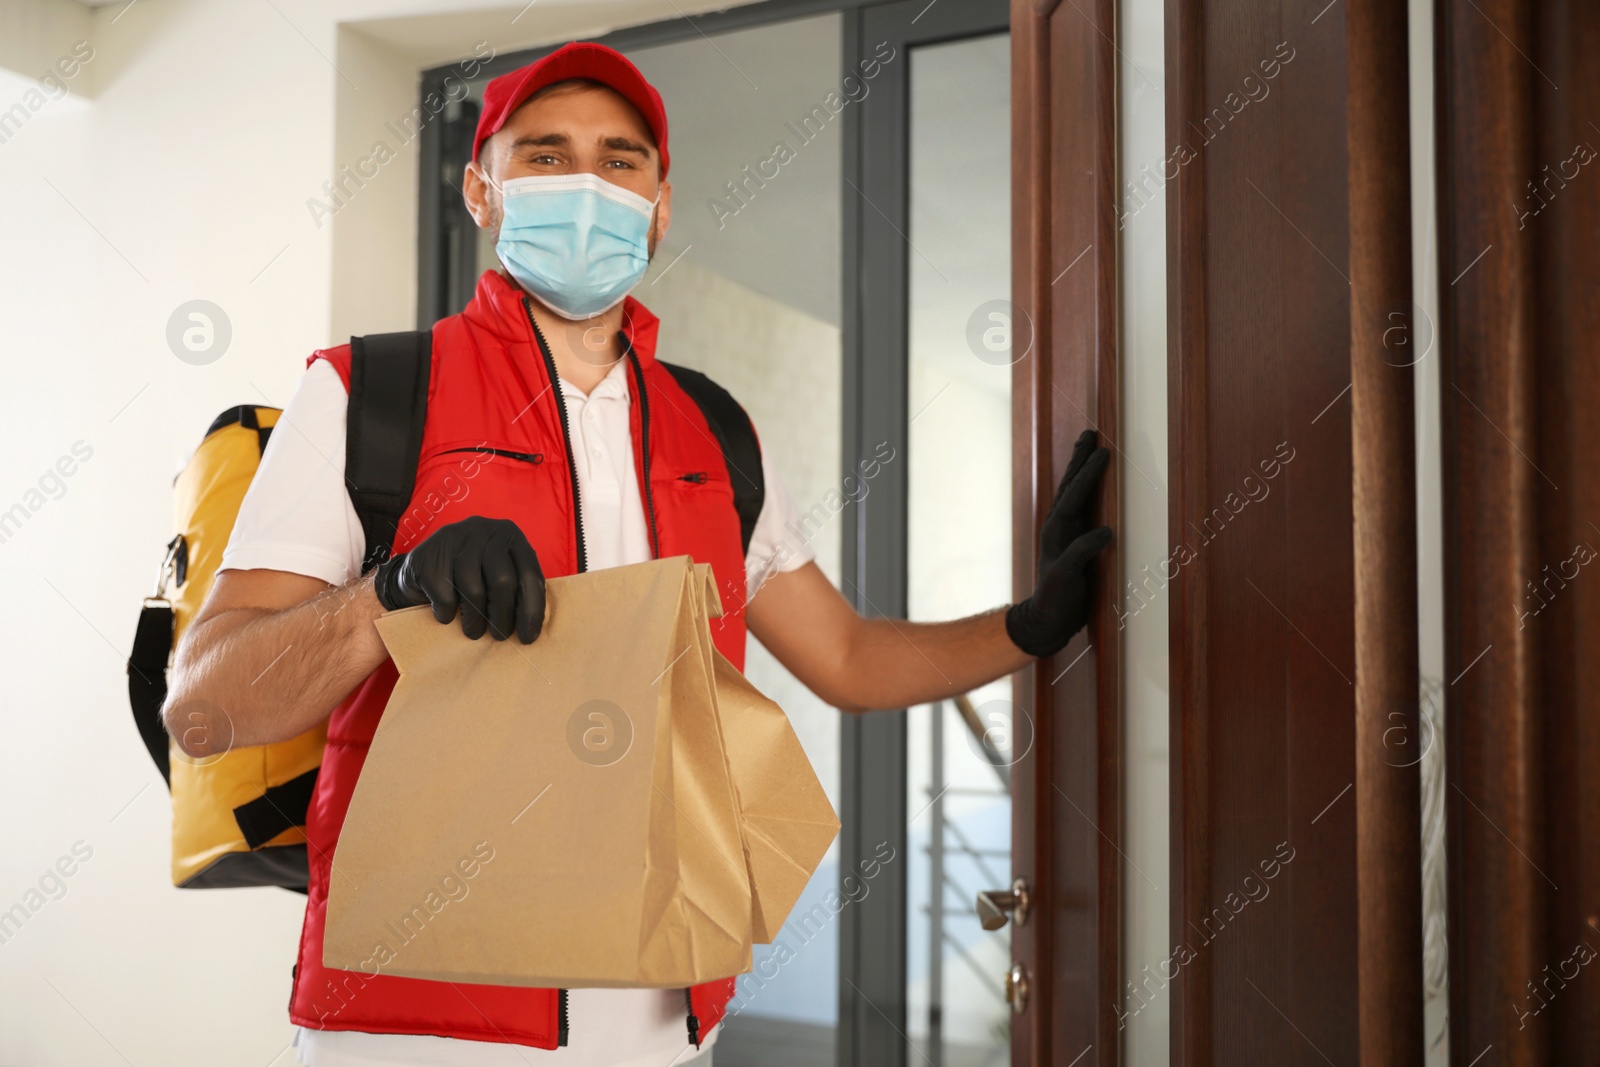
(1066, 801)
(1296, 881)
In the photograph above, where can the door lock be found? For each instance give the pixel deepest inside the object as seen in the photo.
(997, 906)
(1016, 983)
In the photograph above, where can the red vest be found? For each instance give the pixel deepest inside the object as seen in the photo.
(491, 388)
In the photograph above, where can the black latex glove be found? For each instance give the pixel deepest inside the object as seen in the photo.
(1059, 607)
(483, 566)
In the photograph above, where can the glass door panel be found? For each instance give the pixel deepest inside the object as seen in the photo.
(959, 539)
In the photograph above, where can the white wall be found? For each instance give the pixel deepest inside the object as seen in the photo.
(171, 185)
(177, 168)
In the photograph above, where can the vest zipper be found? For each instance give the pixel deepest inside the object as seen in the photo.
(694, 1021)
(561, 1026)
(535, 458)
(644, 448)
(566, 437)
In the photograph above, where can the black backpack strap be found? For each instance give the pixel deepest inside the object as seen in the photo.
(248, 416)
(147, 679)
(388, 404)
(737, 436)
(282, 807)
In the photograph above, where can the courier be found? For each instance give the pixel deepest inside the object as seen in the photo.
(503, 532)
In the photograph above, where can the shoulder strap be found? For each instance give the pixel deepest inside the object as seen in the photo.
(246, 415)
(388, 403)
(147, 679)
(737, 436)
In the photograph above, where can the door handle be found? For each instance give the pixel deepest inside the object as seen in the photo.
(1016, 987)
(997, 906)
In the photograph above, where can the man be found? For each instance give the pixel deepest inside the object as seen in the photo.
(585, 452)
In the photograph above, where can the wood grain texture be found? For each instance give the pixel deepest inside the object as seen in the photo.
(1519, 258)
(1383, 349)
(1263, 633)
(1568, 265)
(1064, 287)
(1494, 732)
(1189, 821)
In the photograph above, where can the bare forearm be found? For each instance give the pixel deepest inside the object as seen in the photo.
(250, 676)
(859, 664)
(893, 663)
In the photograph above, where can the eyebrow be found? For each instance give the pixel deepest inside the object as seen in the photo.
(561, 140)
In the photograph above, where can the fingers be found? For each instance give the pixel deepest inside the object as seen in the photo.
(486, 569)
(1085, 481)
(1065, 575)
(500, 578)
(1082, 448)
(530, 591)
(1068, 516)
(437, 583)
(1083, 551)
(1062, 602)
(514, 584)
(467, 574)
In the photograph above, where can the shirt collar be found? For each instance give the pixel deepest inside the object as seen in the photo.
(497, 306)
(614, 384)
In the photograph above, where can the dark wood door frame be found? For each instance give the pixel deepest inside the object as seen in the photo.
(1519, 332)
(1383, 350)
(1067, 803)
(1296, 900)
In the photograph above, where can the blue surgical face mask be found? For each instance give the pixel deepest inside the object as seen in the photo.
(576, 241)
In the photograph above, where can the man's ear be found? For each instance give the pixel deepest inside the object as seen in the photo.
(663, 213)
(478, 194)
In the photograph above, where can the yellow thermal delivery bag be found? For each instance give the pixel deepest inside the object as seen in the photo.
(238, 816)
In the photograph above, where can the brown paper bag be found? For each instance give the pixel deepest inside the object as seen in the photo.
(787, 819)
(565, 814)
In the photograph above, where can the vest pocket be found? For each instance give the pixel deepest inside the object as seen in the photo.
(696, 482)
(454, 483)
(535, 458)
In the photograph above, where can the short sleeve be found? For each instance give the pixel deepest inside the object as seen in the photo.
(779, 542)
(297, 515)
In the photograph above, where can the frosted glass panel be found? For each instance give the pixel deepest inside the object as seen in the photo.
(959, 551)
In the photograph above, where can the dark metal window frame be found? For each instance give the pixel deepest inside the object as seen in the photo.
(875, 201)
(876, 218)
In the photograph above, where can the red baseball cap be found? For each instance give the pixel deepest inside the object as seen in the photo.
(580, 59)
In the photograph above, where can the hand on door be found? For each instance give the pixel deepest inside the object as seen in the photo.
(1059, 607)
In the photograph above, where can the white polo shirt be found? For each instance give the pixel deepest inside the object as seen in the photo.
(297, 517)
